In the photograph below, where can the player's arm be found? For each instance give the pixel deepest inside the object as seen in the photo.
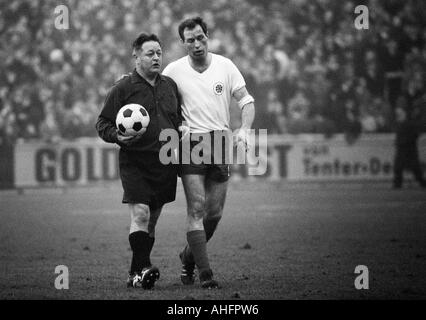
(246, 103)
(239, 92)
(123, 76)
(183, 127)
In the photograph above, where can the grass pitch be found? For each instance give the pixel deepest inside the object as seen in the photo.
(275, 241)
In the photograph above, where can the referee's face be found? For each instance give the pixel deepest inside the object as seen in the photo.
(195, 42)
(149, 58)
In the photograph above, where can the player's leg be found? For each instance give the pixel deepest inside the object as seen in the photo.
(215, 195)
(195, 197)
(215, 201)
(142, 273)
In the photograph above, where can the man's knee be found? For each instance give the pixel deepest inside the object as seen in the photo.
(197, 207)
(196, 213)
(140, 214)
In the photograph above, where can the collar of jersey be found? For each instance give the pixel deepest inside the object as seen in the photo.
(200, 73)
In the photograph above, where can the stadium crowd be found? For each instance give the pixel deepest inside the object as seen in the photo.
(308, 67)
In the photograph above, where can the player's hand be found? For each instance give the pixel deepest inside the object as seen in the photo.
(240, 137)
(184, 129)
(129, 140)
(123, 76)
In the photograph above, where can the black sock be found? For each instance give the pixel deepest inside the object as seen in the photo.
(140, 244)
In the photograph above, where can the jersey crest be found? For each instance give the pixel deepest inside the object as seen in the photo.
(218, 88)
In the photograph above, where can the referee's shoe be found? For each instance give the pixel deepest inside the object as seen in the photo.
(144, 279)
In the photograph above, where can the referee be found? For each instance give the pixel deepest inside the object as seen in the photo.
(147, 183)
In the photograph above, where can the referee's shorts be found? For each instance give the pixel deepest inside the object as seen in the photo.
(217, 167)
(146, 180)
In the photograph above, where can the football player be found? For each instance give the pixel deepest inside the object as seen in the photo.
(206, 82)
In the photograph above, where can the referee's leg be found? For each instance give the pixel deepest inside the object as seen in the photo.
(139, 217)
(140, 241)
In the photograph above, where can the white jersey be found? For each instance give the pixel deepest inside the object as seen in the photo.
(206, 96)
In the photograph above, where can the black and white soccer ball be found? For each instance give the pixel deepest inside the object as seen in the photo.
(132, 119)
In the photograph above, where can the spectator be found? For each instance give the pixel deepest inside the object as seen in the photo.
(293, 46)
(406, 154)
(273, 119)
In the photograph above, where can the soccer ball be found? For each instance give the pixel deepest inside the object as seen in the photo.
(132, 119)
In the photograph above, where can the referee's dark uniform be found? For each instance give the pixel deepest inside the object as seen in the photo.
(144, 178)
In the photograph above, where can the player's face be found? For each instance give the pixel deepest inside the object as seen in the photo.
(195, 42)
(149, 58)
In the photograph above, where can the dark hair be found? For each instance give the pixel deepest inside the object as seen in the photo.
(142, 38)
(191, 23)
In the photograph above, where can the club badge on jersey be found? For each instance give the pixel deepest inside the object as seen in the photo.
(218, 88)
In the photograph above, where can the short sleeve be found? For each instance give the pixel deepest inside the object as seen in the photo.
(236, 78)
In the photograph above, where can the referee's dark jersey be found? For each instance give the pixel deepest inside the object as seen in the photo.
(161, 101)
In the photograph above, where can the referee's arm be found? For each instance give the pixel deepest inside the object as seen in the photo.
(106, 124)
(106, 130)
